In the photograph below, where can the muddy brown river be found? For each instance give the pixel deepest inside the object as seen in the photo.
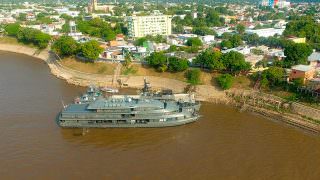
(224, 144)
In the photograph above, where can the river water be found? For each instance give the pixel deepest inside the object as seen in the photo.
(224, 144)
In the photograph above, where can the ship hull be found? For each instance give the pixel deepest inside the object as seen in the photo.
(75, 124)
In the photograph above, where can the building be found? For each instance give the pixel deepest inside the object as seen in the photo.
(268, 32)
(314, 59)
(155, 24)
(304, 72)
(94, 6)
(243, 50)
(297, 40)
(274, 3)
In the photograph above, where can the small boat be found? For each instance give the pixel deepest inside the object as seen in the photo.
(109, 90)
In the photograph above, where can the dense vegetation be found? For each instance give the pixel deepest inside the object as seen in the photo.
(99, 28)
(28, 35)
(305, 26)
(232, 62)
(193, 76)
(67, 46)
(225, 81)
(162, 63)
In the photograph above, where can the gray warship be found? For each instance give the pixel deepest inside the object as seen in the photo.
(147, 110)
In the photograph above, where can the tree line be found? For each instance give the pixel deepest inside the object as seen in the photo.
(28, 35)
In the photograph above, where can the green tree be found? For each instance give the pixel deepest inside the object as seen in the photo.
(65, 46)
(235, 62)
(194, 42)
(193, 76)
(236, 40)
(177, 64)
(210, 59)
(12, 29)
(36, 37)
(108, 34)
(296, 53)
(22, 17)
(202, 31)
(178, 29)
(225, 81)
(241, 28)
(42, 40)
(226, 35)
(213, 18)
(273, 75)
(140, 41)
(91, 50)
(226, 44)
(127, 59)
(158, 60)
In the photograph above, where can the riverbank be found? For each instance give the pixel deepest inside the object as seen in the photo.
(202, 92)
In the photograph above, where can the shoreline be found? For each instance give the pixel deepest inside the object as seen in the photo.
(202, 92)
(205, 93)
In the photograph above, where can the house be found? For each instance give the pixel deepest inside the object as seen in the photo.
(208, 39)
(119, 37)
(243, 50)
(253, 59)
(304, 72)
(278, 53)
(314, 59)
(268, 32)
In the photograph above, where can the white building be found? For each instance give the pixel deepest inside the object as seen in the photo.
(155, 24)
(208, 39)
(243, 50)
(265, 32)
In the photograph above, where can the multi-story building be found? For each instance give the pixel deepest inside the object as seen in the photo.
(155, 24)
(94, 6)
(273, 3)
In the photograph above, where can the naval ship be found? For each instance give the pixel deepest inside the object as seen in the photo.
(148, 109)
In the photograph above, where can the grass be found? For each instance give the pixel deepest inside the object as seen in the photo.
(88, 67)
(242, 82)
(12, 40)
(129, 71)
(8, 40)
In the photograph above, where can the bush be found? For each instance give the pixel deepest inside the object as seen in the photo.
(193, 76)
(194, 42)
(12, 29)
(225, 81)
(177, 64)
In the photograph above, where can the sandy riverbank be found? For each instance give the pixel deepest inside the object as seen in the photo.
(203, 92)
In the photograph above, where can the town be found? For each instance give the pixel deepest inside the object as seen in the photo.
(160, 89)
(270, 45)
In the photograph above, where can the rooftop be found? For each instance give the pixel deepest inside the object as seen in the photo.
(301, 67)
(315, 56)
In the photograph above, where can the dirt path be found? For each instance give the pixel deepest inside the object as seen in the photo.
(117, 73)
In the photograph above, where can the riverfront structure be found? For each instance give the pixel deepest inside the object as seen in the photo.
(155, 24)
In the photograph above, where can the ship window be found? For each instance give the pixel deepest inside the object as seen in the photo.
(121, 121)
